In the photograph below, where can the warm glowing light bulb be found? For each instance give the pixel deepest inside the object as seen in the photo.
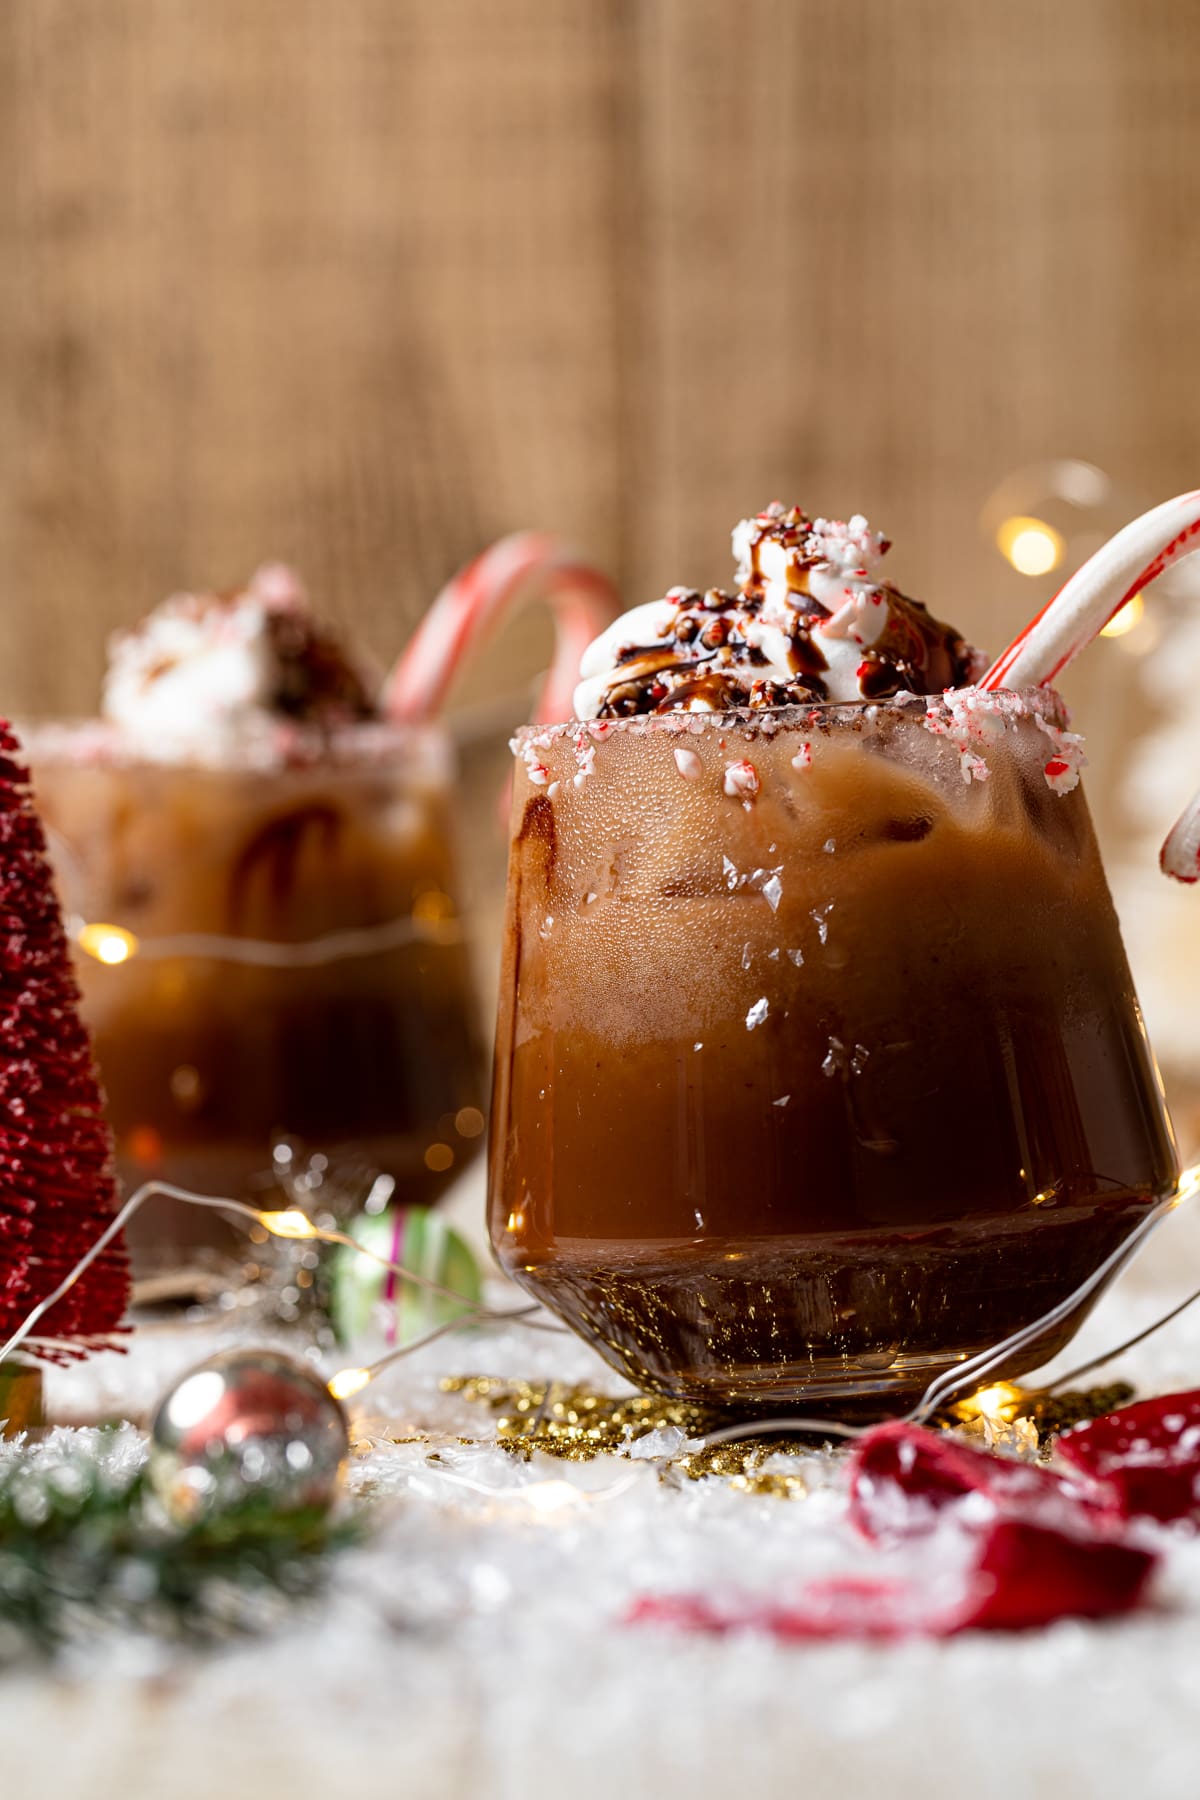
(1125, 620)
(347, 1382)
(1031, 546)
(997, 1403)
(107, 943)
(290, 1223)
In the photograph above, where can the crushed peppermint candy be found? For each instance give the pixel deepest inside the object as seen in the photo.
(970, 719)
(1062, 769)
(850, 546)
(585, 756)
(970, 716)
(741, 781)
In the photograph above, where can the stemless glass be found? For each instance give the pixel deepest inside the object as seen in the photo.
(819, 1067)
(268, 953)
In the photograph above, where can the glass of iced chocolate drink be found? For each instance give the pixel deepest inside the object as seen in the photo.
(258, 872)
(819, 1065)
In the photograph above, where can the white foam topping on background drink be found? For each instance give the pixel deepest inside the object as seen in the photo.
(212, 677)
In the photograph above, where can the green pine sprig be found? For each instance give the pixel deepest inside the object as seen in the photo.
(85, 1550)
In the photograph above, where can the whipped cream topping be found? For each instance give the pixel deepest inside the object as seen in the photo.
(208, 674)
(808, 621)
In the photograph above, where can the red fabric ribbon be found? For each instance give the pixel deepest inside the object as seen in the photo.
(1024, 1544)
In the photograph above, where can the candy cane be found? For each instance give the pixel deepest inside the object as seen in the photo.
(1180, 854)
(1082, 608)
(527, 566)
(1096, 592)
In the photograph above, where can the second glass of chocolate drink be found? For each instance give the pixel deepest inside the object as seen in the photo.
(259, 876)
(819, 1065)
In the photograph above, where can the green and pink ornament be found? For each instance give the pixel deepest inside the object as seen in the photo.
(441, 1283)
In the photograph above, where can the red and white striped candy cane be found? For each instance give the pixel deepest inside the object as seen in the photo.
(1082, 608)
(524, 567)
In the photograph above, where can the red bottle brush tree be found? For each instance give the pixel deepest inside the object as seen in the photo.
(57, 1189)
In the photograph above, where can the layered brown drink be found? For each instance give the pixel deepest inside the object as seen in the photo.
(819, 1065)
(258, 873)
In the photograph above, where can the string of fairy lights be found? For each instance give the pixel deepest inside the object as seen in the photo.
(293, 1223)
(114, 944)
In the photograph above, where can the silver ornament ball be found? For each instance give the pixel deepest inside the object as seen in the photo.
(247, 1425)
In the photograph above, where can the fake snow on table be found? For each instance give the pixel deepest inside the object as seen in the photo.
(474, 1645)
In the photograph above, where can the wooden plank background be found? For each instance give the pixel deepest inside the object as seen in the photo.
(364, 284)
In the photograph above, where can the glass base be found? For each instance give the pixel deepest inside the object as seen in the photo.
(829, 1387)
(858, 1325)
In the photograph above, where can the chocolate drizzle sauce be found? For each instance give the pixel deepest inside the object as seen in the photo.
(708, 658)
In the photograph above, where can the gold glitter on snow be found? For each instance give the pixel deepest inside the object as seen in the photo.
(579, 1424)
(576, 1423)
